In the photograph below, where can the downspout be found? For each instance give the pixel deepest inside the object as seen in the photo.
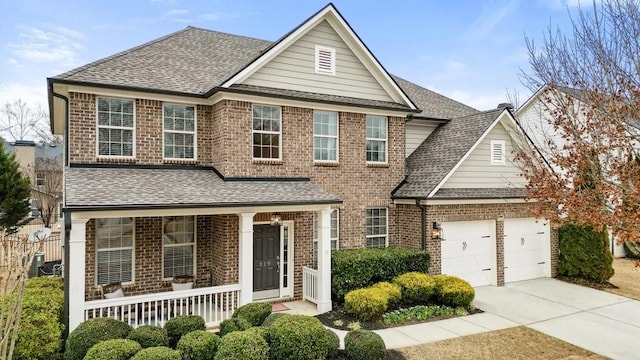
(423, 224)
(65, 310)
(66, 124)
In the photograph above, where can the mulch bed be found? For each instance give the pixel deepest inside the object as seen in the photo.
(587, 283)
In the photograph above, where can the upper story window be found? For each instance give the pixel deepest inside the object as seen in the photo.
(114, 250)
(116, 127)
(178, 242)
(179, 126)
(40, 178)
(267, 132)
(376, 139)
(376, 227)
(325, 60)
(325, 136)
(497, 152)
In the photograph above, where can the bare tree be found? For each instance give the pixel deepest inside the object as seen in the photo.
(513, 97)
(46, 180)
(23, 122)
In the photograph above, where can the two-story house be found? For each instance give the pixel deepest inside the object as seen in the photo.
(244, 163)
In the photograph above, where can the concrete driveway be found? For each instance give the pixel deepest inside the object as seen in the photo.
(595, 320)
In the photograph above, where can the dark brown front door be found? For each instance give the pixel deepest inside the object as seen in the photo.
(266, 261)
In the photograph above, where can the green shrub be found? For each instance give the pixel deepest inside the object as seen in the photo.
(417, 288)
(181, 325)
(364, 345)
(298, 337)
(453, 291)
(234, 324)
(41, 325)
(360, 268)
(366, 304)
(260, 330)
(157, 353)
(198, 345)
(632, 249)
(584, 253)
(255, 313)
(149, 336)
(393, 292)
(92, 332)
(242, 345)
(271, 318)
(114, 349)
(333, 344)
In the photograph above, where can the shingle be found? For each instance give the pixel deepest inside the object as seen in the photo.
(432, 104)
(481, 193)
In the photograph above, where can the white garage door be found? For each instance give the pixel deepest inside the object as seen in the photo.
(468, 251)
(526, 249)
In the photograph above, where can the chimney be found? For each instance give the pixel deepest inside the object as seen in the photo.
(508, 106)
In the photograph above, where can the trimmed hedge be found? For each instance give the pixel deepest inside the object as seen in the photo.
(45, 282)
(333, 344)
(417, 288)
(157, 353)
(298, 337)
(181, 325)
(360, 268)
(271, 318)
(364, 345)
(260, 330)
(254, 313)
(114, 349)
(198, 345)
(149, 336)
(453, 291)
(242, 345)
(393, 291)
(92, 332)
(584, 253)
(366, 304)
(234, 324)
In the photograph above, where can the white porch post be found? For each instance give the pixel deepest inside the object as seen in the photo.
(245, 257)
(77, 250)
(324, 261)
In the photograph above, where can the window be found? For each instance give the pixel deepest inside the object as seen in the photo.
(115, 127)
(497, 152)
(325, 60)
(325, 136)
(114, 250)
(178, 241)
(35, 208)
(179, 125)
(40, 178)
(376, 227)
(266, 132)
(335, 236)
(376, 139)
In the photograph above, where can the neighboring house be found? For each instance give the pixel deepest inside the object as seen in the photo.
(244, 162)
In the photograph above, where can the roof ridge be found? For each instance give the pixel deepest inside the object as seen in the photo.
(479, 113)
(227, 33)
(435, 92)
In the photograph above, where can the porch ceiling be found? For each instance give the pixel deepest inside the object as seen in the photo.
(113, 188)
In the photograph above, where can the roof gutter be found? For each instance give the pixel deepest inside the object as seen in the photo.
(193, 206)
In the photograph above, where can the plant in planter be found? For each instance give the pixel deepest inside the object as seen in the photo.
(182, 282)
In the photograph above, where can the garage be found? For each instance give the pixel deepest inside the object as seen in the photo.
(526, 249)
(468, 251)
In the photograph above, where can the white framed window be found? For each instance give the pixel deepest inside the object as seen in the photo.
(40, 178)
(325, 136)
(114, 250)
(179, 131)
(497, 152)
(335, 234)
(116, 127)
(376, 139)
(267, 132)
(178, 246)
(376, 219)
(325, 60)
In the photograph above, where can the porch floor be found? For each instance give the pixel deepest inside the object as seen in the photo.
(301, 307)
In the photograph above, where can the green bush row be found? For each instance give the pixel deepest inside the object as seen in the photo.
(584, 253)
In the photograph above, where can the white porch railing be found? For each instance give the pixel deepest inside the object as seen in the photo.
(310, 284)
(214, 304)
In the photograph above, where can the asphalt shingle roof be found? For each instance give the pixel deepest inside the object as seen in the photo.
(432, 104)
(482, 193)
(102, 188)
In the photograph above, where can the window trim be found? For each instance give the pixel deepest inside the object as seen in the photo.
(337, 137)
(332, 51)
(493, 160)
(133, 253)
(133, 150)
(279, 133)
(195, 245)
(41, 180)
(386, 235)
(195, 133)
(386, 140)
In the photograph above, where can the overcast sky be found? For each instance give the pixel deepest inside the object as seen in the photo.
(471, 50)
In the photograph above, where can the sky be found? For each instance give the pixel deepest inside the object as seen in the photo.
(470, 50)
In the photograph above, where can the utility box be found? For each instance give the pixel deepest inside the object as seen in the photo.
(36, 264)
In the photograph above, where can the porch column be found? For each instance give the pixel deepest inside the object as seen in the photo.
(77, 249)
(245, 257)
(324, 261)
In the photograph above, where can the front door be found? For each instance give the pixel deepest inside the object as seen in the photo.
(266, 261)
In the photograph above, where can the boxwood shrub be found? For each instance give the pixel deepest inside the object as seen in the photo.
(366, 304)
(453, 291)
(114, 349)
(234, 324)
(364, 345)
(198, 345)
(255, 313)
(260, 330)
(360, 268)
(273, 317)
(181, 325)
(298, 337)
(242, 345)
(417, 288)
(149, 336)
(157, 353)
(91, 332)
(584, 253)
(333, 344)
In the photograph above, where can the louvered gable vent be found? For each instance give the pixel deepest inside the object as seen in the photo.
(325, 60)
(497, 152)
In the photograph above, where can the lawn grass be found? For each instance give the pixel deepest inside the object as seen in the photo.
(626, 278)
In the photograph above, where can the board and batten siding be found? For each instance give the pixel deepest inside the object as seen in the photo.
(477, 172)
(294, 69)
(415, 135)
